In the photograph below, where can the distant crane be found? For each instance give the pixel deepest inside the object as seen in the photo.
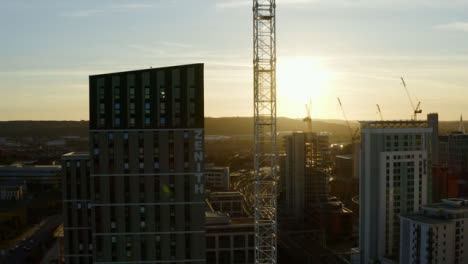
(416, 110)
(308, 118)
(354, 136)
(380, 112)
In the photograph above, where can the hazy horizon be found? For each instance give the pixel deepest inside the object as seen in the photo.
(421, 117)
(355, 50)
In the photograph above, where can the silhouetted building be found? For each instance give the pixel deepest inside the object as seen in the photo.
(147, 188)
(344, 166)
(437, 234)
(336, 219)
(217, 178)
(433, 120)
(306, 171)
(11, 190)
(395, 179)
(228, 202)
(78, 244)
(451, 174)
(344, 185)
(36, 178)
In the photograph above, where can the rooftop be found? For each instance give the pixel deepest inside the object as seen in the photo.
(426, 219)
(149, 69)
(349, 157)
(395, 124)
(452, 204)
(75, 155)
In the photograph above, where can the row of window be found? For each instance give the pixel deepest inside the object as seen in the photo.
(136, 248)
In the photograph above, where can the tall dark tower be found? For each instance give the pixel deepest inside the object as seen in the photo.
(147, 187)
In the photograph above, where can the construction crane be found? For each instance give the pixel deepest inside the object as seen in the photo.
(416, 110)
(380, 112)
(354, 136)
(308, 118)
(265, 142)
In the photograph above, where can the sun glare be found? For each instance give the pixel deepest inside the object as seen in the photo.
(299, 80)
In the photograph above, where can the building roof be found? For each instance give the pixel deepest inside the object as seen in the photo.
(348, 157)
(149, 69)
(426, 219)
(395, 124)
(452, 204)
(75, 156)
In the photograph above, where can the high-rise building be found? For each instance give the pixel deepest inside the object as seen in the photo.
(78, 245)
(147, 185)
(451, 173)
(437, 234)
(395, 178)
(306, 175)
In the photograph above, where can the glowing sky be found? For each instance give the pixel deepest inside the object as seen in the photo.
(352, 49)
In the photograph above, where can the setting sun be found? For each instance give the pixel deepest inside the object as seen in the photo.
(300, 79)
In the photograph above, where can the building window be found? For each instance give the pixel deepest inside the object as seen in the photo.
(162, 121)
(147, 93)
(176, 92)
(191, 92)
(117, 121)
(147, 121)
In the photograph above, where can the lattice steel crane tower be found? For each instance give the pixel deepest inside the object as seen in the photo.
(265, 149)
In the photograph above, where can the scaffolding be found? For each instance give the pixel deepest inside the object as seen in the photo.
(265, 150)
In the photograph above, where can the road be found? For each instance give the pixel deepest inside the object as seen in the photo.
(20, 252)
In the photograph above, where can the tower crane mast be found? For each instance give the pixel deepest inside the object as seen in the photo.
(265, 142)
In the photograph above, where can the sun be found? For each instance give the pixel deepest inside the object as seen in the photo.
(299, 80)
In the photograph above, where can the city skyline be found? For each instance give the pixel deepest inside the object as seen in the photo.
(355, 50)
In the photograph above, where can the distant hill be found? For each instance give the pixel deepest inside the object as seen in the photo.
(228, 126)
(233, 126)
(40, 129)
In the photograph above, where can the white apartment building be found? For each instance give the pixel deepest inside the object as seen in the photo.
(437, 234)
(394, 179)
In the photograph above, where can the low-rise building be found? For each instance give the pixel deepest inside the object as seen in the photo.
(217, 178)
(229, 240)
(228, 202)
(437, 234)
(36, 178)
(11, 192)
